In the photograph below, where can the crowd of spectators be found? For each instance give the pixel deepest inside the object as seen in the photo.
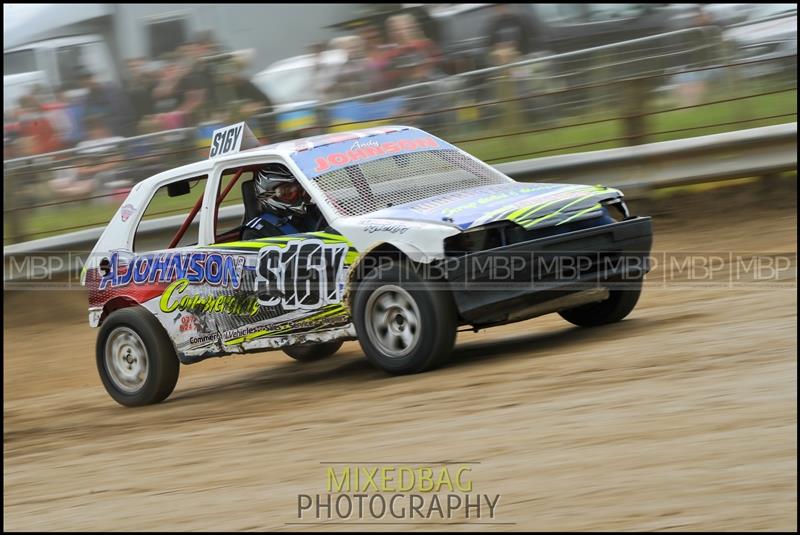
(377, 60)
(199, 84)
(196, 83)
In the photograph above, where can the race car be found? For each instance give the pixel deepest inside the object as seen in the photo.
(415, 239)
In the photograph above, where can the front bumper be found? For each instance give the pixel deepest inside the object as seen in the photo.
(498, 285)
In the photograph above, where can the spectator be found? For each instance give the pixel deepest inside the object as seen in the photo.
(11, 135)
(107, 101)
(39, 134)
(140, 88)
(506, 27)
(195, 90)
(74, 109)
(693, 85)
(351, 80)
(507, 88)
(505, 50)
(99, 169)
(148, 125)
(100, 136)
(244, 101)
(55, 110)
(232, 78)
(318, 82)
(325, 68)
(377, 60)
(413, 57)
(165, 93)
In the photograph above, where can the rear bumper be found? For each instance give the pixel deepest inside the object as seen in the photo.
(499, 285)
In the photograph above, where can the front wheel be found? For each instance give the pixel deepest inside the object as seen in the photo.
(619, 304)
(135, 358)
(404, 323)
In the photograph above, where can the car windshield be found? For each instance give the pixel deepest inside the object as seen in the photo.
(359, 189)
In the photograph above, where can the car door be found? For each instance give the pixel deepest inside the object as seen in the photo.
(290, 284)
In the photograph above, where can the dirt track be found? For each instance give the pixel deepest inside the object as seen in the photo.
(684, 416)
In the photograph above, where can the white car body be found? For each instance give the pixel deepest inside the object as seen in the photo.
(418, 228)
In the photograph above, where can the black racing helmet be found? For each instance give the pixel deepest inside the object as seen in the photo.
(279, 192)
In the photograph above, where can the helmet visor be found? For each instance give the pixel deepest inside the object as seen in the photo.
(288, 193)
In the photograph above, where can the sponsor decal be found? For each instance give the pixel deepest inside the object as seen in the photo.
(127, 211)
(339, 159)
(329, 316)
(205, 339)
(464, 201)
(197, 267)
(188, 323)
(336, 155)
(377, 226)
(301, 275)
(233, 333)
(515, 202)
(364, 145)
(174, 299)
(242, 331)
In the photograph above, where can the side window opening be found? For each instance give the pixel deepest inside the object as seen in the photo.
(167, 212)
(228, 221)
(232, 225)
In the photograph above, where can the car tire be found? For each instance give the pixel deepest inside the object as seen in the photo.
(135, 358)
(404, 324)
(312, 352)
(619, 304)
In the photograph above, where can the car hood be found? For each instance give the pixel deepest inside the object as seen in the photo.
(527, 204)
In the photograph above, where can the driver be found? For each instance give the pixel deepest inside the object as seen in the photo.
(286, 207)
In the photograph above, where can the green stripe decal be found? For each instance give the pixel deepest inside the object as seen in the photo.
(532, 210)
(527, 211)
(334, 312)
(332, 237)
(351, 257)
(331, 310)
(590, 209)
(281, 241)
(245, 245)
(548, 216)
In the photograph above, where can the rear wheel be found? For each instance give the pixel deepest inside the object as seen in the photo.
(619, 304)
(404, 324)
(311, 352)
(135, 358)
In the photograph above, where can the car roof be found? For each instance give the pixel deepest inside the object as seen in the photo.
(283, 149)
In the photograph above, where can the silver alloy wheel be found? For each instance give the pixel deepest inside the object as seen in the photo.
(393, 321)
(126, 360)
